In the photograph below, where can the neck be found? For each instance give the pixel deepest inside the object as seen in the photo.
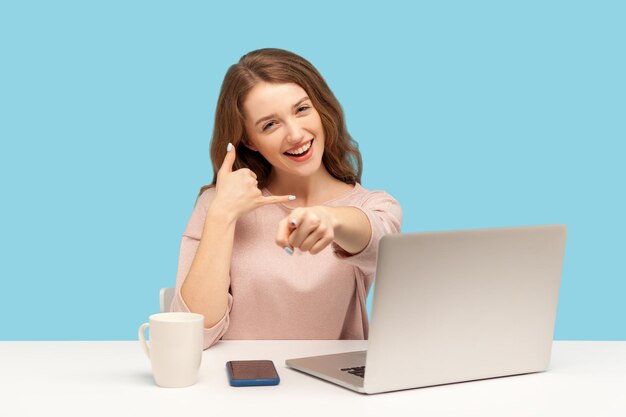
(308, 190)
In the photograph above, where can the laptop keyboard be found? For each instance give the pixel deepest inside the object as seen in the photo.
(357, 370)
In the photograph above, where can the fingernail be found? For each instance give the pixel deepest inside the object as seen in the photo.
(288, 250)
(293, 222)
(291, 197)
(229, 147)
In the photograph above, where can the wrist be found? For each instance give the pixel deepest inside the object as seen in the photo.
(331, 214)
(220, 214)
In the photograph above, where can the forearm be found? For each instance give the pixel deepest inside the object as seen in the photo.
(205, 289)
(351, 227)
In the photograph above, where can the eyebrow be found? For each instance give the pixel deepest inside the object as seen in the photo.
(274, 114)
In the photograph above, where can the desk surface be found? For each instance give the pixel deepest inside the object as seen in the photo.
(114, 378)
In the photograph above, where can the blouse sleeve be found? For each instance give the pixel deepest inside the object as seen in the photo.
(385, 216)
(188, 247)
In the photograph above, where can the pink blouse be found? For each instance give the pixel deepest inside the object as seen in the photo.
(303, 296)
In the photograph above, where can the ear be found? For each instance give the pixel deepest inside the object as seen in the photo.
(249, 145)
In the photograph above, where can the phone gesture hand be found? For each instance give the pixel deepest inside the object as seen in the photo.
(237, 191)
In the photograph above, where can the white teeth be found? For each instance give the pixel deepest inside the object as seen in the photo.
(301, 150)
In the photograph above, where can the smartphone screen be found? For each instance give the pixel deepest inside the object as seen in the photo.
(252, 373)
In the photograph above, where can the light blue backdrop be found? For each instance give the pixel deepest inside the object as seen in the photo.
(472, 114)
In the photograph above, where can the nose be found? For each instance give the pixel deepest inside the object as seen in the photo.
(295, 132)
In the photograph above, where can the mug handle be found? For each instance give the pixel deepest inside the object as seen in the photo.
(142, 338)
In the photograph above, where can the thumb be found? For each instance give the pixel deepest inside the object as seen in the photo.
(229, 160)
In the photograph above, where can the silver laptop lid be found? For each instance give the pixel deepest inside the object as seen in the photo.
(463, 305)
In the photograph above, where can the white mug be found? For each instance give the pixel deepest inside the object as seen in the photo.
(175, 347)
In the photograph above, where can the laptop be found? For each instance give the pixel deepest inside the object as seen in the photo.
(454, 306)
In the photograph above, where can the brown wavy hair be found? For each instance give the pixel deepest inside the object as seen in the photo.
(341, 156)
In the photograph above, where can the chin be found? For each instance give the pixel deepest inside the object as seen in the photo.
(306, 171)
(311, 170)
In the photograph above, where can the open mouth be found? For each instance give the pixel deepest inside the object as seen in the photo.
(302, 151)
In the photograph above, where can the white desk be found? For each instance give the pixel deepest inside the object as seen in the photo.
(114, 379)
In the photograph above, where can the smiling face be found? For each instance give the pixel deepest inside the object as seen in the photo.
(284, 127)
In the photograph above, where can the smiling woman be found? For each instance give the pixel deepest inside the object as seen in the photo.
(283, 243)
(287, 135)
(275, 82)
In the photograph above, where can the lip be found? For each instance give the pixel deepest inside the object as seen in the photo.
(308, 155)
(298, 146)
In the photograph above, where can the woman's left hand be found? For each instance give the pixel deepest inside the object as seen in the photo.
(309, 229)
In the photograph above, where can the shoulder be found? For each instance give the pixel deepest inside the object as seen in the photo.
(205, 198)
(362, 195)
(196, 222)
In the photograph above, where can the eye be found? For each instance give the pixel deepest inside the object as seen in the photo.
(300, 110)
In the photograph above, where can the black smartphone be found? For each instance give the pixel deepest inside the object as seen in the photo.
(252, 373)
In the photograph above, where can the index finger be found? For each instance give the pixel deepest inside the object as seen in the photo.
(285, 228)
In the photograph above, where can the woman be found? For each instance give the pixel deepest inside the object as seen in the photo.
(283, 243)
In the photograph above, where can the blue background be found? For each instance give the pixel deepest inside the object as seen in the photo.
(472, 114)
